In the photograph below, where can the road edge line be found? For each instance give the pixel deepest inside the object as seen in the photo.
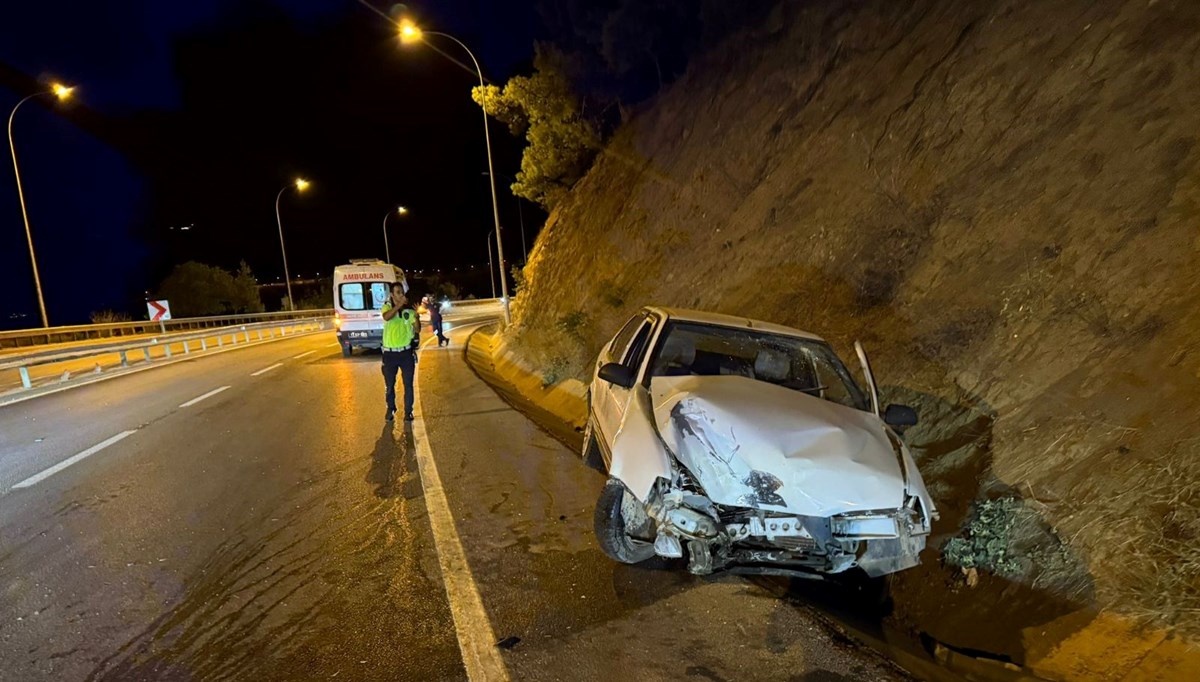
(476, 639)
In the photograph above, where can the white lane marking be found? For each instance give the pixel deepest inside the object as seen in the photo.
(38, 478)
(197, 399)
(297, 357)
(264, 370)
(476, 640)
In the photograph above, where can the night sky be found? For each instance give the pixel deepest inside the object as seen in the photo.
(197, 113)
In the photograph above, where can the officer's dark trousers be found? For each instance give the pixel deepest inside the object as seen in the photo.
(404, 362)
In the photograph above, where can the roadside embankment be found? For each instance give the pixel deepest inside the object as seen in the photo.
(1000, 200)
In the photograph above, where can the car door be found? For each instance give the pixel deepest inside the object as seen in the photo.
(610, 401)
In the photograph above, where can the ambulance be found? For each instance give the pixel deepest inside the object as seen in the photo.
(359, 291)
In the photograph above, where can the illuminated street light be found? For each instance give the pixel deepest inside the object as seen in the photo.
(410, 34)
(400, 210)
(62, 92)
(300, 184)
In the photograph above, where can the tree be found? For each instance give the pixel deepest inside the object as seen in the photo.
(198, 289)
(561, 141)
(246, 298)
(442, 290)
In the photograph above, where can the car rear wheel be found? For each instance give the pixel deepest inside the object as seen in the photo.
(347, 350)
(614, 505)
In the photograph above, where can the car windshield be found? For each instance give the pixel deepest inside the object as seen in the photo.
(692, 349)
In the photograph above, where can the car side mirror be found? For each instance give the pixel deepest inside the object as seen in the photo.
(900, 416)
(618, 375)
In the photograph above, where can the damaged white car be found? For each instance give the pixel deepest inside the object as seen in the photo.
(748, 447)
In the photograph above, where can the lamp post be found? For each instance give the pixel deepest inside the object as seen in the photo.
(62, 92)
(491, 268)
(300, 184)
(400, 210)
(410, 33)
(521, 218)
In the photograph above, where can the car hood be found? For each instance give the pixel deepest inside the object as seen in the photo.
(753, 444)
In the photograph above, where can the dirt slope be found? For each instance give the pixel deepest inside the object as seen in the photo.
(1002, 200)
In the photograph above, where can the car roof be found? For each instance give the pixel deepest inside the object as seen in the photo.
(719, 320)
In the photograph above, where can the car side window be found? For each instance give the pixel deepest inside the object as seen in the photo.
(623, 337)
(639, 346)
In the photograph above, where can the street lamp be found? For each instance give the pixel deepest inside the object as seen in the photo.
(62, 92)
(300, 184)
(400, 210)
(410, 33)
(521, 218)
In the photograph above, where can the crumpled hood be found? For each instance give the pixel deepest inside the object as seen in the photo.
(754, 444)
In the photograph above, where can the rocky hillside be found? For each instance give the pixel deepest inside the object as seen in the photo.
(1002, 200)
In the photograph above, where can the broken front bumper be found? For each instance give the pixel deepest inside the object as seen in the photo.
(730, 539)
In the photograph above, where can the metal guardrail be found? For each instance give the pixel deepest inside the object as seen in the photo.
(23, 338)
(216, 327)
(23, 362)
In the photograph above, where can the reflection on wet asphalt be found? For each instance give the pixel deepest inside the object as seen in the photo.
(292, 591)
(288, 536)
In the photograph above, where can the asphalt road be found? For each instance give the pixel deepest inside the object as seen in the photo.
(280, 529)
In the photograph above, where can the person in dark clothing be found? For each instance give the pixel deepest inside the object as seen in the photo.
(435, 320)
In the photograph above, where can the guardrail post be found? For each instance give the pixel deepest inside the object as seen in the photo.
(167, 350)
(247, 333)
(146, 352)
(124, 359)
(203, 344)
(186, 349)
(220, 341)
(25, 382)
(260, 335)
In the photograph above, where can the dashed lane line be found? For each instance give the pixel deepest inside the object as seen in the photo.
(210, 394)
(297, 357)
(264, 370)
(73, 459)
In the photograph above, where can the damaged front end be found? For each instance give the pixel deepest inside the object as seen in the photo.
(746, 540)
(753, 478)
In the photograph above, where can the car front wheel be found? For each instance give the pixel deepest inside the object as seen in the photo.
(615, 505)
(591, 448)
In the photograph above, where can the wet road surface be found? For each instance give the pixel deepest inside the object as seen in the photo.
(278, 529)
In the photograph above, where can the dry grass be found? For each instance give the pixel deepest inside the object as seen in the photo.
(1160, 541)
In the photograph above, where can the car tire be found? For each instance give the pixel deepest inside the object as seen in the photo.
(592, 456)
(347, 350)
(610, 527)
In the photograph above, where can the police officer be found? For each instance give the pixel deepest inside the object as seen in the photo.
(401, 336)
